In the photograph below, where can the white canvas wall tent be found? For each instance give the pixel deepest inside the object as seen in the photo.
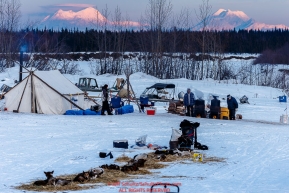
(46, 92)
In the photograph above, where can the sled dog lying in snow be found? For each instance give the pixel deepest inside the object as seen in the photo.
(95, 173)
(110, 167)
(127, 168)
(81, 177)
(143, 156)
(137, 163)
(50, 180)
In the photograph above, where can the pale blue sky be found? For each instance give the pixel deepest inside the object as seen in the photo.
(266, 11)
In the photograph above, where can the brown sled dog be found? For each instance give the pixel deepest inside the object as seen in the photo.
(81, 177)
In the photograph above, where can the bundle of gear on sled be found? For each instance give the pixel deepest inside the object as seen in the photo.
(186, 136)
(177, 106)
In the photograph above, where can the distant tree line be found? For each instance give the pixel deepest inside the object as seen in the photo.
(274, 56)
(273, 67)
(175, 40)
(179, 53)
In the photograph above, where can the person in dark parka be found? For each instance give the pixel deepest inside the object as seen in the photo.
(189, 102)
(232, 106)
(105, 105)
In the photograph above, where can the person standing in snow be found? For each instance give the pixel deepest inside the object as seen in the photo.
(189, 102)
(232, 106)
(105, 105)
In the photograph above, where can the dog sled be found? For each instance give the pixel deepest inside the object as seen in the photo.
(165, 187)
(189, 135)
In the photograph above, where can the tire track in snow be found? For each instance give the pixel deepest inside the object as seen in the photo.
(256, 159)
(261, 121)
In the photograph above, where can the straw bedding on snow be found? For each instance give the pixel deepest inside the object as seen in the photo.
(73, 186)
(123, 158)
(111, 176)
(154, 164)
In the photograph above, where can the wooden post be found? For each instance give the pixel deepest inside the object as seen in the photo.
(32, 93)
(128, 95)
(17, 111)
(138, 105)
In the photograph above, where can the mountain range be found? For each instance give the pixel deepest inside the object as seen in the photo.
(90, 17)
(87, 18)
(227, 20)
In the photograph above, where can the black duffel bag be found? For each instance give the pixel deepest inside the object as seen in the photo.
(95, 108)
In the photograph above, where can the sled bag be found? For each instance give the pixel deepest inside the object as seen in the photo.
(102, 154)
(174, 144)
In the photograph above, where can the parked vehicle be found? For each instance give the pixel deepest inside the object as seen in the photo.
(160, 92)
(88, 84)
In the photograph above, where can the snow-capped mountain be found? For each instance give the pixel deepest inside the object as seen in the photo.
(228, 20)
(86, 18)
(92, 18)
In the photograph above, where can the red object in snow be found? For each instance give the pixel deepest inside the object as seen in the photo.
(151, 112)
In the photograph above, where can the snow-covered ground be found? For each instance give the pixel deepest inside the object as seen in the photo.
(256, 148)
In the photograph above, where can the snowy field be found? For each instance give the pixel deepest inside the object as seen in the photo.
(255, 149)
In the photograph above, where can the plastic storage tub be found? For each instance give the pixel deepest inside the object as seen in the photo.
(224, 113)
(151, 111)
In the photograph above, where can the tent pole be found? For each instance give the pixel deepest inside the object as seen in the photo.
(59, 93)
(138, 105)
(17, 111)
(70, 99)
(32, 94)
